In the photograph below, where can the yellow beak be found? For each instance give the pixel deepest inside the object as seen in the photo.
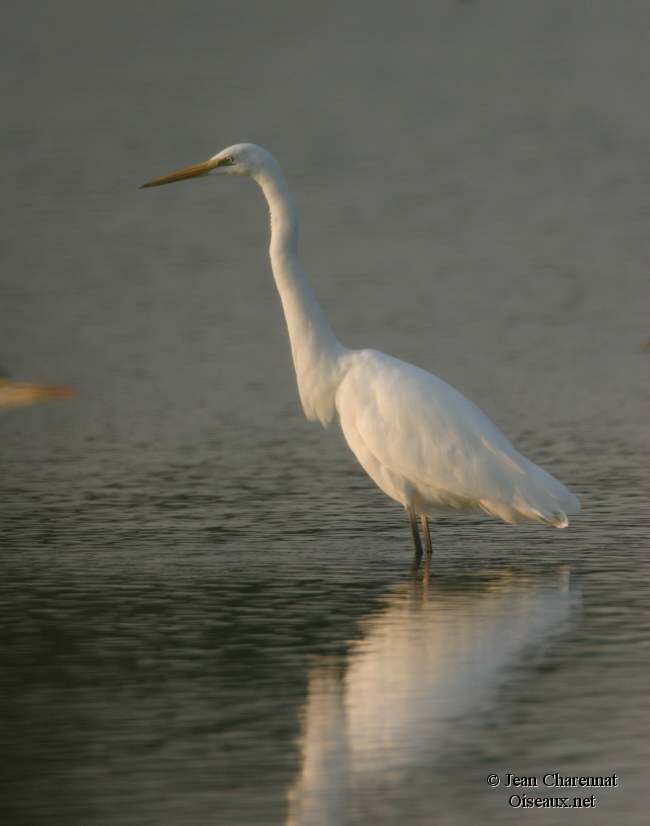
(188, 172)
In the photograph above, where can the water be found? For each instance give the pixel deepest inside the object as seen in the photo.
(208, 613)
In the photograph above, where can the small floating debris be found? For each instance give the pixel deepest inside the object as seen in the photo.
(16, 393)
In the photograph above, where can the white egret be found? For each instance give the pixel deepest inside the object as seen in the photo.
(419, 439)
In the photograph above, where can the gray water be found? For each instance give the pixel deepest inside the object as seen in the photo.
(208, 614)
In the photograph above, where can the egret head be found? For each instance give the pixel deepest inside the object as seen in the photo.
(239, 159)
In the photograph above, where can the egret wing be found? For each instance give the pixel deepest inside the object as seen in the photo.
(419, 427)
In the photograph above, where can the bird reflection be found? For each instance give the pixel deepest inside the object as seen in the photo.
(434, 652)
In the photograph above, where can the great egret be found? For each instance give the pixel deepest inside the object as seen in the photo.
(423, 443)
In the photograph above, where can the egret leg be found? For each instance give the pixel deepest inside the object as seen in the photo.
(416, 534)
(424, 521)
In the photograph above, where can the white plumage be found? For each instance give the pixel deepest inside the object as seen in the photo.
(426, 445)
(422, 442)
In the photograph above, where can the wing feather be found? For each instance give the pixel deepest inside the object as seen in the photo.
(419, 427)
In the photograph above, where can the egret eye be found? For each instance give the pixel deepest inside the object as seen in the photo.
(229, 159)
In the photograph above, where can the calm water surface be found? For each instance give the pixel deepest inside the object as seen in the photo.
(207, 612)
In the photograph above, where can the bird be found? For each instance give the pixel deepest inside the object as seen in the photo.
(419, 439)
(19, 393)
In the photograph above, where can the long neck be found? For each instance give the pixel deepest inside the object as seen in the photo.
(317, 353)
